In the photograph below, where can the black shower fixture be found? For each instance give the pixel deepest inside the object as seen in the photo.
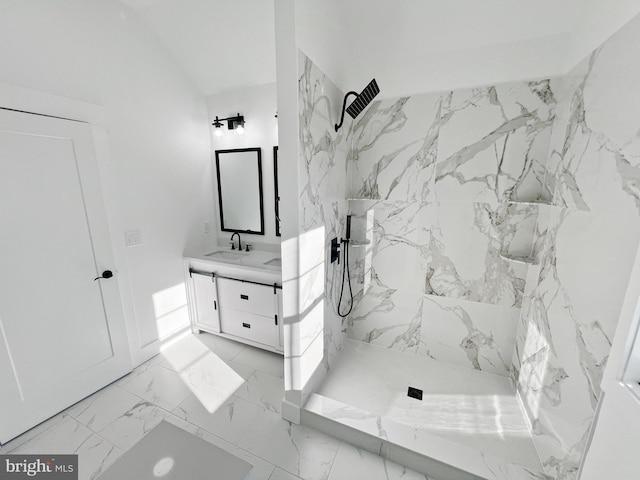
(362, 100)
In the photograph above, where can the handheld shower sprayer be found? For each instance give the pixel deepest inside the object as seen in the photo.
(345, 268)
(362, 100)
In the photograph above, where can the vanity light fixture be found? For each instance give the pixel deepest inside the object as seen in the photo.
(233, 123)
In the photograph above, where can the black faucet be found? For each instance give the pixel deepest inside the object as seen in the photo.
(233, 247)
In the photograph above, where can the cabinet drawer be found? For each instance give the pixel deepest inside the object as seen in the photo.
(249, 325)
(248, 297)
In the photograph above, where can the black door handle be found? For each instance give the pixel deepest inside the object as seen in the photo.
(105, 274)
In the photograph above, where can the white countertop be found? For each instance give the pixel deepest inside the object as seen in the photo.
(255, 260)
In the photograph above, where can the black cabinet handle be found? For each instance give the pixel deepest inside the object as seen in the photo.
(244, 297)
(106, 274)
(246, 325)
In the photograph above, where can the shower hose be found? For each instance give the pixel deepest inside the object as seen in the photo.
(345, 272)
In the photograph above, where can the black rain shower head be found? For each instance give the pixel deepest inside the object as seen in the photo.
(362, 100)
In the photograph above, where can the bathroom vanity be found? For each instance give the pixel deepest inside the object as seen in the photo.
(237, 295)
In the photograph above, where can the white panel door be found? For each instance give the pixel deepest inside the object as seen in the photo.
(62, 334)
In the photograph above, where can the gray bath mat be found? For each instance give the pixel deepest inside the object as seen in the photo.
(170, 453)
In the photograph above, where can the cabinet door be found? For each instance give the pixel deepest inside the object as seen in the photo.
(206, 302)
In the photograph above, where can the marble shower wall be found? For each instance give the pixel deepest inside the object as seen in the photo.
(586, 242)
(323, 206)
(437, 173)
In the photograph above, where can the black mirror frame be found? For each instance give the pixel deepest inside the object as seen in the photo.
(261, 195)
(276, 194)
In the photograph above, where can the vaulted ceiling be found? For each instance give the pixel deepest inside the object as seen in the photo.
(408, 45)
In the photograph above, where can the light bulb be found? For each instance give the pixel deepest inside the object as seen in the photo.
(240, 130)
(217, 132)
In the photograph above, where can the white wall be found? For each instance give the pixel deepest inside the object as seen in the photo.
(156, 173)
(431, 46)
(258, 105)
(613, 452)
(597, 22)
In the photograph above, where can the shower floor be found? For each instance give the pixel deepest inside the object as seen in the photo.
(465, 407)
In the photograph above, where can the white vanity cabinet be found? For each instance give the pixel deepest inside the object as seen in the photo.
(240, 303)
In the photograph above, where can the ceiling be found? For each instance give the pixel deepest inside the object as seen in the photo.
(221, 45)
(410, 46)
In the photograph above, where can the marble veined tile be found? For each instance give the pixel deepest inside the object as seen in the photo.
(95, 456)
(322, 174)
(103, 407)
(263, 360)
(467, 406)
(264, 390)
(66, 436)
(474, 334)
(323, 186)
(229, 421)
(297, 449)
(393, 149)
(279, 474)
(212, 380)
(594, 157)
(157, 385)
(464, 261)
(132, 425)
(399, 247)
(223, 347)
(387, 317)
(32, 433)
(493, 142)
(183, 354)
(477, 460)
(352, 462)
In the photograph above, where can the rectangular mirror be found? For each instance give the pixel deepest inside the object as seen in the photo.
(277, 195)
(239, 173)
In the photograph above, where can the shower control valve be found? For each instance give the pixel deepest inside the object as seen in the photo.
(335, 250)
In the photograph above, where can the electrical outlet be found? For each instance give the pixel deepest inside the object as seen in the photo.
(132, 238)
(206, 226)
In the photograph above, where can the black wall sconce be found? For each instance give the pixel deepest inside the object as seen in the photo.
(233, 123)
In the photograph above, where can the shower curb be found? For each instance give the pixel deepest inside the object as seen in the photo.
(424, 452)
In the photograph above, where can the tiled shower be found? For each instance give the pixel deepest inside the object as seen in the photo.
(495, 229)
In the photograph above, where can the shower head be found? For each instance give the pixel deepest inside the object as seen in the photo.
(362, 100)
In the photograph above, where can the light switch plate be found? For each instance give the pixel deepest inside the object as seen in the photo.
(206, 226)
(132, 238)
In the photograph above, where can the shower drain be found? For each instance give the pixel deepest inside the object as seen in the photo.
(415, 393)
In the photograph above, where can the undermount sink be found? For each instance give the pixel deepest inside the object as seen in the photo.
(239, 258)
(226, 254)
(274, 262)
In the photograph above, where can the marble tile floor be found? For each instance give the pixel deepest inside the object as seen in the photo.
(222, 391)
(462, 405)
